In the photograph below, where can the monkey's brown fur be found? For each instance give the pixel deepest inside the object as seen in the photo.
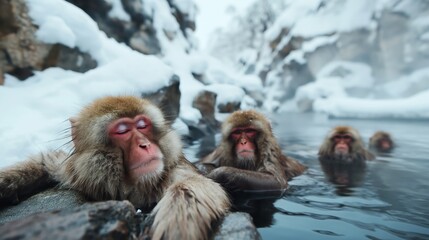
(374, 141)
(187, 203)
(357, 148)
(269, 158)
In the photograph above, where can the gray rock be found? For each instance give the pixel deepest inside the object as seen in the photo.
(168, 98)
(206, 129)
(237, 225)
(138, 32)
(101, 220)
(205, 101)
(21, 52)
(65, 214)
(69, 58)
(185, 21)
(52, 199)
(228, 107)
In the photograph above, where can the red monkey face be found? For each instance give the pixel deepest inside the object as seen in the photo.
(342, 143)
(134, 137)
(384, 144)
(244, 139)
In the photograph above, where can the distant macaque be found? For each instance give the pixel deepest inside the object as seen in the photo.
(125, 150)
(343, 157)
(344, 144)
(381, 142)
(249, 157)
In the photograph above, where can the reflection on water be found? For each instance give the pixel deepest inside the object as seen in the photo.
(388, 199)
(344, 175)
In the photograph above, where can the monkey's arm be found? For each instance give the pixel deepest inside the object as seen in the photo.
(189, 207)
(208, 163)
(292, 167)
(235, 179)
(23, 179)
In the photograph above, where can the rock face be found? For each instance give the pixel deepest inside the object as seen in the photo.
(53, 199)
(135, 27)
(237, 226)
(206, 129)
(136, 30)
(167, 98)
(64, 214)
(102, 220)
(21, 52)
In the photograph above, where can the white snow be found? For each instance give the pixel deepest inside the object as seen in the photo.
(217, 72)
(187, 7)
(213, 15)
(416, 106)
(73, 23)
(293, 13)
(337, 16)
(118, 11)
(343, 89)
(226, 93)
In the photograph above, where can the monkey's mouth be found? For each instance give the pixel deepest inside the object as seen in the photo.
(246, 151)
(246, 154)
(145, 166)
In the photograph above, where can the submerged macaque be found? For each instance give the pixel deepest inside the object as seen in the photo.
(125, 150)
(249, 157)
(381, 142)
(344, 144)
(343, 156)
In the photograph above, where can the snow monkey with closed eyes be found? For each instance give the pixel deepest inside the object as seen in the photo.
(125, 150)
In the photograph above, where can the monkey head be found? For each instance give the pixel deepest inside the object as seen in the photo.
(131, 133)
(381, 141)
(244, 132)
(343, 143)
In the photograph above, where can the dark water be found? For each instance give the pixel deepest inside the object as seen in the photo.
(390, 202)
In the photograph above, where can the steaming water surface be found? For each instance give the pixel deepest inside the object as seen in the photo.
(390, 202)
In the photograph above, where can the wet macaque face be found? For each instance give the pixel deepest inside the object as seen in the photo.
(384, 144)
(134, 137)
(244, 139)
(342, 143)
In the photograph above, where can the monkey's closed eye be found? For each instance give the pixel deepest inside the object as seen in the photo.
(250, 132)
(141, 124)
(236, 134)
(122, 128)
(343, 137)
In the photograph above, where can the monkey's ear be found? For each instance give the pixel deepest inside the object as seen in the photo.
(73, 122)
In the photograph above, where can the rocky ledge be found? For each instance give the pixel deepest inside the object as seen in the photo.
(64, 214)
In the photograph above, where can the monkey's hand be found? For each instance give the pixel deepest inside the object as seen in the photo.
(234, 179)
(25, 178)
(228, 177)
(188, 209)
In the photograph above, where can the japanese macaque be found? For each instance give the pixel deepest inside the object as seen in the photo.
(381, 142)
(343, 156)
(249, 157)
(125, 150)
(344, 144)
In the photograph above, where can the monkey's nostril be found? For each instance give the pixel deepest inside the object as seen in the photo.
(145, 145)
